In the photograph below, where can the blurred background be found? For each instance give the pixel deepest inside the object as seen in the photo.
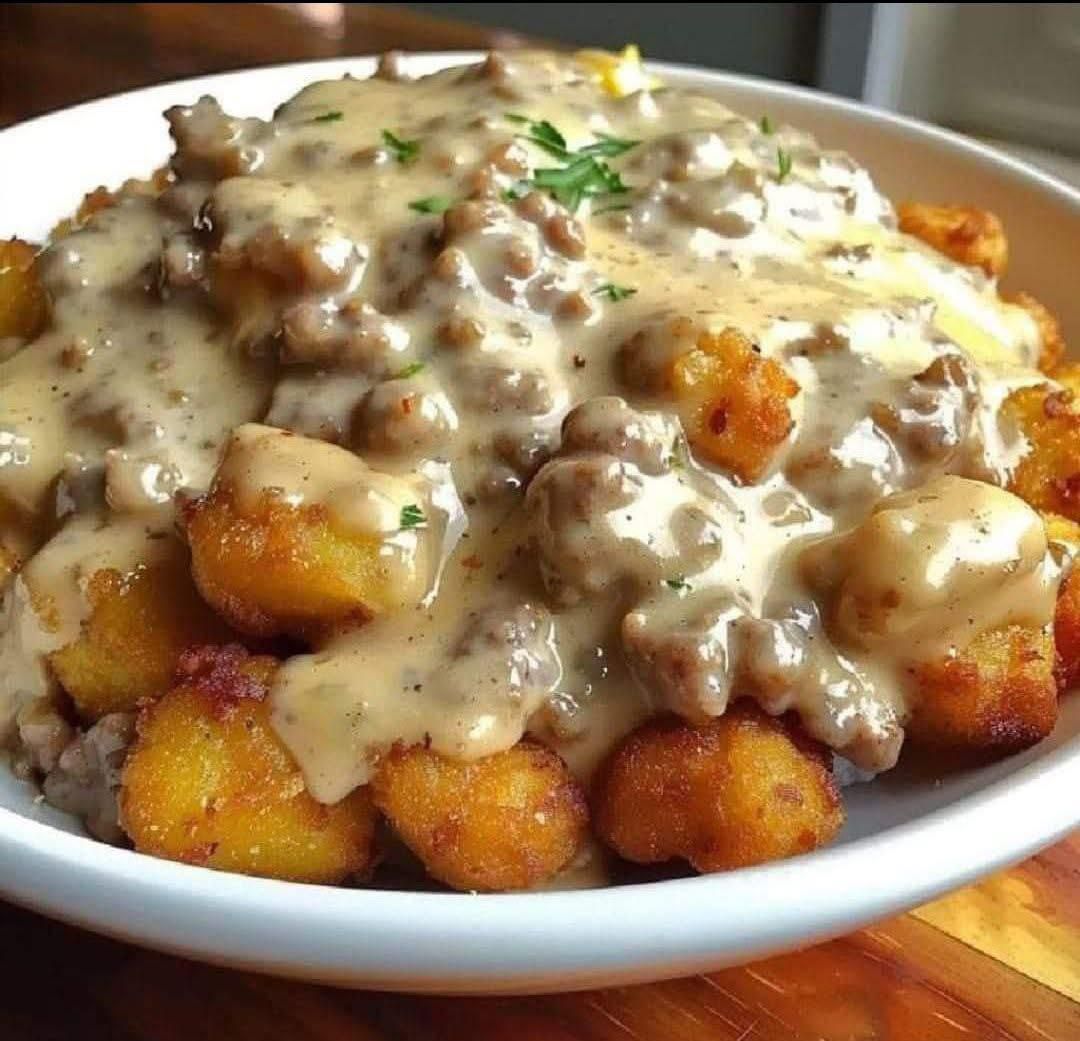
(1008, 73)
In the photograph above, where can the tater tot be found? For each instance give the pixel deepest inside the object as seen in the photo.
(733, 402)
(24, 307)
(743, 789)
(280, 569)
(208, 782)
(508, 821)
(271, 566)
(963, 233)
(1052, 341)
(100, 198)
(1067, 632)
(139, 624)
(1048, 477)
(996, 695)
(1062, 531)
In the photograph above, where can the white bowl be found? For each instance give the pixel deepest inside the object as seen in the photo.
(909, 836)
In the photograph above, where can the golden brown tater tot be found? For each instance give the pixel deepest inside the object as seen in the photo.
(997, 695)
(742, 789)
(208, 782)
(139, 624)
(24, 307)
(1067, 632)
(734, 403)
(1052, 350)
(508, 821)
(1048, 477)
(963, 233)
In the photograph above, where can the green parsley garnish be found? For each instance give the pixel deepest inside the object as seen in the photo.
(516, 191)
(613, 292)
(766, 125)
(412, 516)
(409, 370)
(783, 164)
(404, 151)
(678, 583)
(611, 207)
(609, 146)
(431, 204)
(329, 117)
(583, 178)
(584, 173)
(548, 138)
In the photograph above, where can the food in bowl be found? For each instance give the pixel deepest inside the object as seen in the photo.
(526, 468)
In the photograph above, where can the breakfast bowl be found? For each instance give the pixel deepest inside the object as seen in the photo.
(931, 824)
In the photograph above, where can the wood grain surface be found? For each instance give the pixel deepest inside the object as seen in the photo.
(998, 961)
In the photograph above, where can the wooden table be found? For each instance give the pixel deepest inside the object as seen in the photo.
(1000, 960)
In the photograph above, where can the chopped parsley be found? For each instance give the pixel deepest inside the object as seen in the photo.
(404, 151)
(783, 164)
(408, 371)
(678, 583)
(583, 174)
(610, 207)
(583, 178)
(613, 292)
(431, 204)
(766, 125)
(329, 117)
(412, 516)
(516, 191)
(548, 138)
(609, 146)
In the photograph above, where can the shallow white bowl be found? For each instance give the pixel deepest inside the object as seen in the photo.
(909, 836)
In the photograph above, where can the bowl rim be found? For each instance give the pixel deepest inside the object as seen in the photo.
(519, 941)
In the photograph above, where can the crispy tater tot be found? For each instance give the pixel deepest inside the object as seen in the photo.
(1052, 341)
(963, 233)
(996, 695)
(273, 567)
(1069, 378)
(742, 789)
(734, 403)
(208, 782)
(139, 624)
(24, 307)
(1067, 632)
(1048, 477)
(1066, 534)
(100, 198)
(1062, 530)
(279, 569)
(508, 821)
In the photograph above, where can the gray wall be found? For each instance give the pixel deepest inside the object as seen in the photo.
(780, 41)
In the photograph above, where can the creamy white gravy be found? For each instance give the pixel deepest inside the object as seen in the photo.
(297, 274)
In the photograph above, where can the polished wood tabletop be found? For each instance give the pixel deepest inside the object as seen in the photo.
(997, 961)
